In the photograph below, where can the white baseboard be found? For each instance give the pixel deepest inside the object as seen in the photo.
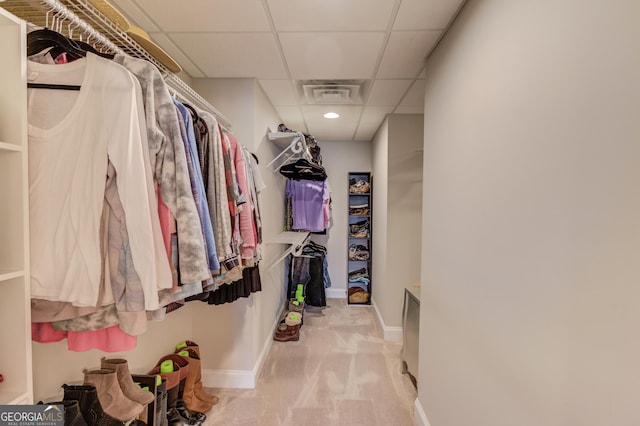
(391, 334)
(419, 417)
(239, 379)
(335, 293)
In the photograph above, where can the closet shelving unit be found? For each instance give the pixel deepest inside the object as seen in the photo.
(15, 316)
(73, 18)
(293, 144)
(76, 18)
(359, 235)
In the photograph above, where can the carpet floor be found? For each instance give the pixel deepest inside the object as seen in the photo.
(341, 372)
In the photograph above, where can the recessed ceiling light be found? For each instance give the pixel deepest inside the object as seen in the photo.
(331, 115)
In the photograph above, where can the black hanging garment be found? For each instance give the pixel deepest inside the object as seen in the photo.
(308, 270)
(227, 293)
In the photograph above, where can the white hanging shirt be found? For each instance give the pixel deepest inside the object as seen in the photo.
(72, 135)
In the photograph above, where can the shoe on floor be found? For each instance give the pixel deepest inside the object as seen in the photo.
(287, 333)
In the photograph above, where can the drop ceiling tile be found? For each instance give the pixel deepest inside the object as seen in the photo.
(375, 115)
(371, 119)
(135, 15)
(205, 15)
(336, 129)
(325, 129)
(331, 55)
(177, 54)
(425, 14)
(331, 15)
(280, 92)
(387, 92)
(291, 117)
(238, 55)
(314, 113)
(405, 53)
(337, 132)
(365, 132)
(413, 102)
(410, 110)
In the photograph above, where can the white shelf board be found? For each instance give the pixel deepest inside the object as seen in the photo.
(13, 398)
(284, 139)
(6, 275)
(10, 147)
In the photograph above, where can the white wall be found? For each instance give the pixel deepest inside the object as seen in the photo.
(225, 332)
(379, 220)
(237, 334)
(531, 239)
(397, 209)
(272, 297)
(338, 159)
(404, 214)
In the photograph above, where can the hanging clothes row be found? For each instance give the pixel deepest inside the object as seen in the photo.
(310, 269)
(137, 201)
(307, 202)
(307, 193)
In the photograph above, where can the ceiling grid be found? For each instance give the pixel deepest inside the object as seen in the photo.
(282, 43)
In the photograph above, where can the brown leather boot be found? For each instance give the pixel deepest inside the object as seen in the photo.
(171, 370)
(129, 388)
(172, 380)
(188, 344)
(183, 365)
(193, 383)
(110, 395)
(199, 389)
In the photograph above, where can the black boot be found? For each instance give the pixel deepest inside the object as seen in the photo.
(72, 414)
(188, 414)
(176, 419)
(176, 410)
(178, 413)
(161, 405)
(87, 398)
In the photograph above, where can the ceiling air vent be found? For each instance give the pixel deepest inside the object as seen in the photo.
(333, 92)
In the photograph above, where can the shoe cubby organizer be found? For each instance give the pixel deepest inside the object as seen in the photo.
(359, 239)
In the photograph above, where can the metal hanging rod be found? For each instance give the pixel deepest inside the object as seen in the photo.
(81, 20)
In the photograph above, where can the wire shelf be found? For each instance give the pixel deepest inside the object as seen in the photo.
(80, 20)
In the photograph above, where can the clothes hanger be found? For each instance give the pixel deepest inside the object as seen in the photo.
(303, 169)
(85, 47)
(45, 38)
(194, 114)
(39, 40)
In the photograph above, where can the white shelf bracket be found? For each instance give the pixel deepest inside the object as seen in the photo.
(296, 242)
(296, 147)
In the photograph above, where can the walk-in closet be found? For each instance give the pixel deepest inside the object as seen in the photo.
(319, 212)
(174, 235)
